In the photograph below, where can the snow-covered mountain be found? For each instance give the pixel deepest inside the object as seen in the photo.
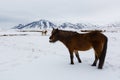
(41, 24)
(68, 25)
(115, 25)
(79, 26)
(45, 24)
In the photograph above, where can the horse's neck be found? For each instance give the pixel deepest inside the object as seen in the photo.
(64, 38)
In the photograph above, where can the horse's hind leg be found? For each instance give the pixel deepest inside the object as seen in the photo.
(95, 61)
(103, 54)
(101, 60)
(77, 55)
(97, 49)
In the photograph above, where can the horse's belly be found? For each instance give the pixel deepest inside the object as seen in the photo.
(83, 47)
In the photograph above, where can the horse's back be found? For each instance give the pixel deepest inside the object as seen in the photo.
(96, 36)
(87, 40)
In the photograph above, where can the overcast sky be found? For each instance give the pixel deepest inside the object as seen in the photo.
(14, 12)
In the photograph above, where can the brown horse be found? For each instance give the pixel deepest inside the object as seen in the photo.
(75, 42)
(44, 32)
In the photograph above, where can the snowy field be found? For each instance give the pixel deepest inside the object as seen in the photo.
(32, 57)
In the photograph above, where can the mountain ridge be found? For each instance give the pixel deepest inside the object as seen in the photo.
(45, 24)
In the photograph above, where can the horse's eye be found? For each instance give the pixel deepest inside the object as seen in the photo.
(50, 37)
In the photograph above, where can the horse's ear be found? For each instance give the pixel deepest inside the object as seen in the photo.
(53, 28)
(57, 29)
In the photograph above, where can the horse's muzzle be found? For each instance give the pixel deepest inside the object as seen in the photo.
(50, 40)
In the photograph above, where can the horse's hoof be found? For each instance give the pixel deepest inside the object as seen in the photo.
(99, 67)
(93, 65)
(72, 63)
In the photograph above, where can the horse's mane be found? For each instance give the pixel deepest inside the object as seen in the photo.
(67, 33)
(96, 31)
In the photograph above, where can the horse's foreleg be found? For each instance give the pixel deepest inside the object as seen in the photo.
(77, 55)
(71, 56)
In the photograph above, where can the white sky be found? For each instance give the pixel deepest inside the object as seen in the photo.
(13, 12)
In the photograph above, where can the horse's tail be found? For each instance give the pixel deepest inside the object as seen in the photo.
(103, 54)
(105, 46)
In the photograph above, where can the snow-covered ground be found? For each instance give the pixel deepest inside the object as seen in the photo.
(32, 57)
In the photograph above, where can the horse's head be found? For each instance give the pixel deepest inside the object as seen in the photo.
(54, 35)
